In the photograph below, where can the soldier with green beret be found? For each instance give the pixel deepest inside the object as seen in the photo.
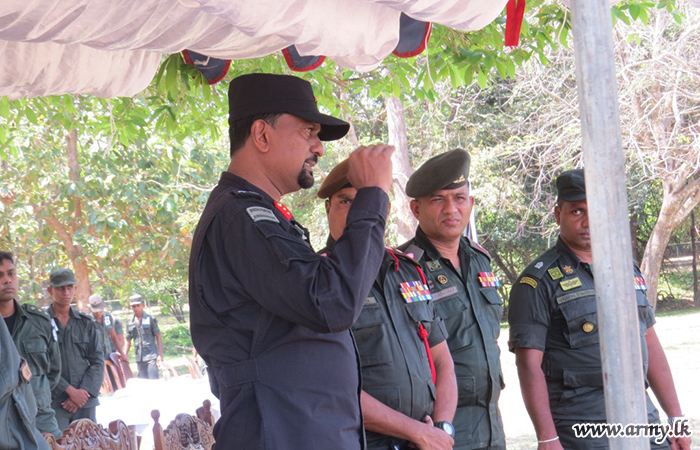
(82, 360)
(464, 291)
(554, 334)
(31, 331)
(409, 393)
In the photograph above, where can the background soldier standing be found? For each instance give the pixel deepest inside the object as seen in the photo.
(143, 329)
(31, 332)
(464, 293)
(82, 361)
(111, 329)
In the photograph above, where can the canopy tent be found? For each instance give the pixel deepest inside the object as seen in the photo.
(108, 48)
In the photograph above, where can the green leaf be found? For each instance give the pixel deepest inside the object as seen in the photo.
(482, 80)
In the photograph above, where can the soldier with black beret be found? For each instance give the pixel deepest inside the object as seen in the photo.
(82, 360)
(270, 317)
(464, 293)
(409, 392)
(554, 334)
(30, 328)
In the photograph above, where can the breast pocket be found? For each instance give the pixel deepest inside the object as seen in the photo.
(370, 332)
(452, 311)
(36, 351)
(493, 310)
(581, 322)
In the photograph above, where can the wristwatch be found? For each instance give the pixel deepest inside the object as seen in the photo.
(446, 426)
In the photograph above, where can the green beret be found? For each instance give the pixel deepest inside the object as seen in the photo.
(61, 277)
(571, 186)
(336, 180)
(446, 171)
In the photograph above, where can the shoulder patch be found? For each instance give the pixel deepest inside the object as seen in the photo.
(399, 254)
(529, 281)
(539, 266)
(258, 213)
(28, 307)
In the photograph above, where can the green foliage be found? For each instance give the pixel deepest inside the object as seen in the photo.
(177, 341)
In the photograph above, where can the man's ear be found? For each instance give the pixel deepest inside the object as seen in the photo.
(557, 214)
(259, 134)
(327, 204)
(415, 207)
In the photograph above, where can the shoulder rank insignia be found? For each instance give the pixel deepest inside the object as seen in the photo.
(529, 281)
(284, 210)
(488, 279)
(640, 284)
(539, 265)
(433, 265)
(568, 270)
(555, 273)
(570, 283)
(415, 291)
(258, 213)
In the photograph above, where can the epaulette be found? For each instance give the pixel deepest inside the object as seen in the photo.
(31, 309)
(86, 316)
(479, 248)
(402, 255)
(414, 252)
(247, 194)
(539, 266)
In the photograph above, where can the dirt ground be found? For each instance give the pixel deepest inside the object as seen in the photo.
(680, 336)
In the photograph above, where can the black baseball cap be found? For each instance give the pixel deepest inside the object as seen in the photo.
(261, 93)
(571, 186)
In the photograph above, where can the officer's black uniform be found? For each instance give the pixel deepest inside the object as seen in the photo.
(395, 366)
(271, 318)
(471, 309)
(553, 309)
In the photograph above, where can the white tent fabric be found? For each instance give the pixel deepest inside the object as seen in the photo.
(113, 48)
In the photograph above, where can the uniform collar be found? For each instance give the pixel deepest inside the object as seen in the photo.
(72, 313)
(430, 251)
(230, 180)
(19, 311)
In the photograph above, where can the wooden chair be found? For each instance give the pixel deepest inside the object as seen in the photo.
(193, 367)
(84, 434)
(204, 413)
(170, 369)
(123, 367)
(184, 433)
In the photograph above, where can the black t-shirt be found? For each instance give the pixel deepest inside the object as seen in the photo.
(10, 321)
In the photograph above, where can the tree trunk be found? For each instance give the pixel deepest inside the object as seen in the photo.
(693, 236)
(402, 169)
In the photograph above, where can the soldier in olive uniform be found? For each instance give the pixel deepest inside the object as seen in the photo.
(409, 392)
(82, 360)
(111, 328)
(17, 405)
(143, 329)
(554, 334)
(464, 293)
(31, 331)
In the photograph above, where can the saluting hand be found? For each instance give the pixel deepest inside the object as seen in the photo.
(371, 166)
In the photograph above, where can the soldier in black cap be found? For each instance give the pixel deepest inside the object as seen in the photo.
(82, 359)
(409, 392)
(554, 334)
(464, 293)
(270, 317)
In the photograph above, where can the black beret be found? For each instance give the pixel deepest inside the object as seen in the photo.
(449, 170)
(262, 93)
(336, 180)
(571, 186)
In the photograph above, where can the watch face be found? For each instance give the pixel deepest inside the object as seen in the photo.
(447, 428)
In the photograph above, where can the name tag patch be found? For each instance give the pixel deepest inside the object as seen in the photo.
(570, 284)
(370, 301)
(574, 295)
(452, 290)
(258, 213)
(488, 279)
(415, 291)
